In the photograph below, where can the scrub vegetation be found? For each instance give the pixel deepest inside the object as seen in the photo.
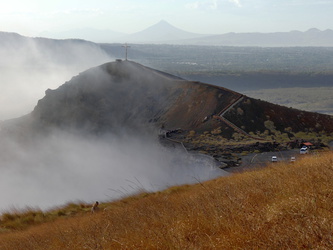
(282, 206)
(310, 99)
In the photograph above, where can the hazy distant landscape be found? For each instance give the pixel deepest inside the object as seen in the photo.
(227, 59)
(163, 32)
(195, 124)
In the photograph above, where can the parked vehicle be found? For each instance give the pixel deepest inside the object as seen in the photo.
(304, 150)
(274, 159)
(292, 159)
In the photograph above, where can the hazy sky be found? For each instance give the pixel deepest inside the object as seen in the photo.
(30, 17)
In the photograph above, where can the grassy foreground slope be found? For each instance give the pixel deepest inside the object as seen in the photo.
(283, 206)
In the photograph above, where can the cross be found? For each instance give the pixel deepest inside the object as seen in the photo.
(126, 47)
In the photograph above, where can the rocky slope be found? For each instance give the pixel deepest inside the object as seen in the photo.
(126, 98)
(124, 95)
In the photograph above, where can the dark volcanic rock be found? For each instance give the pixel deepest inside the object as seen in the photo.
(125, 95)
(254, 115)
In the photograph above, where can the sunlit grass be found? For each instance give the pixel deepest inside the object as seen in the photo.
(283, 206)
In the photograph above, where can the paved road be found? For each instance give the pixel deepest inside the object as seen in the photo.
(261, 160)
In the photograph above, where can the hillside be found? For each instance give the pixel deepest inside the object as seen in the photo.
(128, 94)
(122, 126)
(282, 206)
(131, 98)
(271, 117)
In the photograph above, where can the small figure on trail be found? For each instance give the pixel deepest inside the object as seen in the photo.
(95, 207)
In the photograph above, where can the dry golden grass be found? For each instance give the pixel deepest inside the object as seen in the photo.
(284, 206)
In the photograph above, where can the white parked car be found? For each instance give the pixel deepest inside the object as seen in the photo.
(274, 159)
(292, 159)
(304, 150)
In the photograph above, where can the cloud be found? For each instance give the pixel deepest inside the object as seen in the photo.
(303, 3)
(203, 5)
(76, 11)
(211, 4)
(54, 13)
(236, 2)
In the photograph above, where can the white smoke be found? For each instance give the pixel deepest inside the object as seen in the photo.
(64, 167)
(28, 67)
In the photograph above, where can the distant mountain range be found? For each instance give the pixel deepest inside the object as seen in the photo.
(165, 33)
(312, 37)
(160, 32)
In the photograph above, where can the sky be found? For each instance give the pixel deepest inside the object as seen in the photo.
(33, 17)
